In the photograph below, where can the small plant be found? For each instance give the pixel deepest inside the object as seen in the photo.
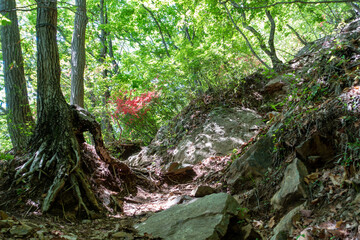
(352, 150)
(132, 114)
(6, 157)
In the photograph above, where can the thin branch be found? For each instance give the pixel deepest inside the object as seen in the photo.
(246, 39)
(158, 25)
(280, 50)
(292, 2)
(303, 41)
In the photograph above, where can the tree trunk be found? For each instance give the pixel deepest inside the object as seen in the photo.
(55, 167)
(20, 121)
(78, 57)
(115, 66)
(105, 119)
(278, 65)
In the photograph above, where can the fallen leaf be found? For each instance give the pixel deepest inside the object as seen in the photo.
(311, 177)
(335, 179)
(271, 223)
(338, 223)
(306, 213)
(315, 201)
(258, 224)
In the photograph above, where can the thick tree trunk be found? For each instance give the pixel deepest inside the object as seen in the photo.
(20, 119)
(55, 165)
(78, 56)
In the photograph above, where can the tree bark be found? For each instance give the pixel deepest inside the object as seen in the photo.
(115, 66)
(105, 119)
(78, 56)
(19, 120)
(278, 65)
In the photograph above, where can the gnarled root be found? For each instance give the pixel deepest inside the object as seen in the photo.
(57, 165)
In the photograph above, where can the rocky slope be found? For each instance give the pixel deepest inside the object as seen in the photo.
(297, 174)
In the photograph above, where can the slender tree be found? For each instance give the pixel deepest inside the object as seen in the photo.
(19, 119)
(159, 27)
(105, 119)
(78, 55)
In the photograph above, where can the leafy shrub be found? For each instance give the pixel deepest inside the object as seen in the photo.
(134, 115)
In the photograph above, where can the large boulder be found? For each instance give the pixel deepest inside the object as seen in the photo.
(293, 188)
(223, 130)
(204, 218)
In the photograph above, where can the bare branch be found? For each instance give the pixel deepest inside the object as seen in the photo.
(159, 27)
(293, 2)
(303, 41)
(244, 36)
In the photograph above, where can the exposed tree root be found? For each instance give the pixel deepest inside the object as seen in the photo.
(58, 164)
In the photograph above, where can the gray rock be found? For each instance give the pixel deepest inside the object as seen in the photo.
(21, 230)
(123, 235)
(249, 233)
(292, 188)
(204, 218)
(202, 191)
(284, 228)
(275, 85)
(224, 130)
(252, 165)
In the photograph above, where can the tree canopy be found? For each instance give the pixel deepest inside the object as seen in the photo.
(153, 57)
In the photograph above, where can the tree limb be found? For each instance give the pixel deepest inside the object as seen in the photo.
(159, 27)
(246, 39)
(295, 1)
(277, 63)
(303, 41)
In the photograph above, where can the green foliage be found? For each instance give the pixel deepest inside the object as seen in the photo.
(205, 51)
(4, 21)
(5, 142)
(351, 154)
(5, 156)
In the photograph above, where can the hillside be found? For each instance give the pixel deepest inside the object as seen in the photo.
(275, 156)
